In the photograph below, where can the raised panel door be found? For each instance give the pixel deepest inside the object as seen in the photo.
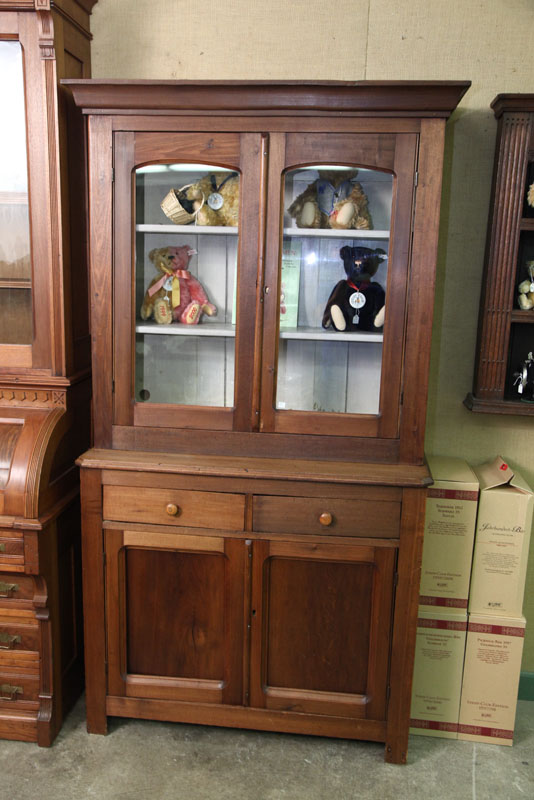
(321, 619)
(175, 616)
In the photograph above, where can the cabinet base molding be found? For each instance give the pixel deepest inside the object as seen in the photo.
(241, 717)
(21, 726)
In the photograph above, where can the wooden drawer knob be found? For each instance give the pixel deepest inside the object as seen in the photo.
(326, 518)
(172, 510)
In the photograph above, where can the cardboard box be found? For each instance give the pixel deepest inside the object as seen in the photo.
(501, 542)
(491, 678)
(437, 677)
(451, 511)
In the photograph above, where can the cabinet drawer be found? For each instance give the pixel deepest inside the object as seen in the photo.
(175, 507)
(11, 551)
(17, 685)
(336, 516)
(15, 587)
(18, 638)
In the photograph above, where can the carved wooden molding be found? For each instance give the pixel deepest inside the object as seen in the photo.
(33, 398)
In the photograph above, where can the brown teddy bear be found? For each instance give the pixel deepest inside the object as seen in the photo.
(175, 294)
(214, 199)
(333, 200)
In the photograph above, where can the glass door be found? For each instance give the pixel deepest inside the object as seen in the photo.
(339, 281)
(190, 280)
(16, 326)
(186, 242)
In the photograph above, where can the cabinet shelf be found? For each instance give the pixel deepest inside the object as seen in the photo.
(14, 283)
(523, 316)
(207, 329)
(331, 233)
(218, 230)
(222, 230)
(303, 334)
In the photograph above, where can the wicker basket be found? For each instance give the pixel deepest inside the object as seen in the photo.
(173, 209)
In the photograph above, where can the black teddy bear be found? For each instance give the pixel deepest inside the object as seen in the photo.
(355, 302)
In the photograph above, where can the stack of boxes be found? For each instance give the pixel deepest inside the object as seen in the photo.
(470, 628)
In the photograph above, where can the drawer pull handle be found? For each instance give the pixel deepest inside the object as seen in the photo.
(9, 640)
(8, 588)
(2, 548)
(9, 692)
(326, 518)
(172, 510)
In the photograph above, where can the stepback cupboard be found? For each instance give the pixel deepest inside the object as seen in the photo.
(253, 506)
(45, 382)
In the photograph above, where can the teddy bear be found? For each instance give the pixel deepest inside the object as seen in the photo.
(175, 295)
(333, 200)
(357, 302)
(214, 199)
(525, 298)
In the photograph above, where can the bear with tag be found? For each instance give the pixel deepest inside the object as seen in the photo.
(357, 303)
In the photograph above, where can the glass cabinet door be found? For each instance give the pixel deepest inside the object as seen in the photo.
(185, 269)
(15, 259)
(333, 289)
(340, 283)
(189, 269)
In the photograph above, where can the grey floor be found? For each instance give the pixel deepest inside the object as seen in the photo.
(140, 760)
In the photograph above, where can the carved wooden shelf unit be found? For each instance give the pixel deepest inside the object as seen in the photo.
(44, 364)
(253, 512)
(505, 332)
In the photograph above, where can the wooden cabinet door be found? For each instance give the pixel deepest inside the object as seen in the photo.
(174, 608)
(321, 620)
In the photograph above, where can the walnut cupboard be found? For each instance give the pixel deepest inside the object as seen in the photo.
(44, 364)
(504, 367)
(252, 509)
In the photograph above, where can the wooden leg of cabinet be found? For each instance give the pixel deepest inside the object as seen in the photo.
(404, 625)
(94, 600)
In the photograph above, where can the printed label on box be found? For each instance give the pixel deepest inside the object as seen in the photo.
(502, 542)
(451, 509)
(437, 679)
(491, 678)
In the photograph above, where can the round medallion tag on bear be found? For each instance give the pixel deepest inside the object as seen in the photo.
(215, 201)
(357, 300)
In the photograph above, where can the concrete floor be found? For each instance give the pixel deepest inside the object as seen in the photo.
(141, 760)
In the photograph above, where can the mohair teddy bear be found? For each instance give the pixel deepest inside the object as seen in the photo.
(214, 199)
(175, 295)
(334, 200)
(357, 303)
(525, 298)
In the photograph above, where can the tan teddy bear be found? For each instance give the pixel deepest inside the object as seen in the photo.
(334, 200)
(174, 294)
(213, 200)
